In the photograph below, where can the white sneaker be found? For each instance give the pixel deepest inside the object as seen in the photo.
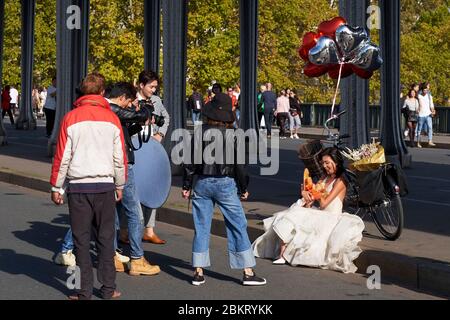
(279, 261)
(66, 259)
(406, 133)
(292, 136)
(122, 258)
(296, 136)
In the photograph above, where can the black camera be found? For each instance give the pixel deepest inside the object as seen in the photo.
(159, 120)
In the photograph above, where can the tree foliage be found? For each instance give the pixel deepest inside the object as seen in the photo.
(213, 44)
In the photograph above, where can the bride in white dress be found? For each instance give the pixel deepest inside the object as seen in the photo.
(322, 237)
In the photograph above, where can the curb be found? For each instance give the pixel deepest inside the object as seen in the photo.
(415, 273)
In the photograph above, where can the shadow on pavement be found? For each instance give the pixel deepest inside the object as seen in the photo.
(45, 235)
(38, 269)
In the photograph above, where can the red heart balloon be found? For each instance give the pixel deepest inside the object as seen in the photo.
(328, 28)
(333, 72)
(312, 70)
(309, 41)
(362, 73)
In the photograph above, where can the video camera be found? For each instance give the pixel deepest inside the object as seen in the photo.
(159, 120)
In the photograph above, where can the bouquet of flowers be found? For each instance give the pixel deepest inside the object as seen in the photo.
(367, 157)
(317, 189)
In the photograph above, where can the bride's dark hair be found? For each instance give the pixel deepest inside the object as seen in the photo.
(336, 156)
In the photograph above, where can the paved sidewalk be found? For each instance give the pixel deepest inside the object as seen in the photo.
(419, 259)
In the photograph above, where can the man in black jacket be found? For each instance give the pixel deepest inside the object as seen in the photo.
(120, 97)
(218, 181)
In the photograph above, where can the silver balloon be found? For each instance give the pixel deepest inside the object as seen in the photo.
(350, 39)
(368, 58)
(324, 52)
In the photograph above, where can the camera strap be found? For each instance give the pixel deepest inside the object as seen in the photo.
(145, 138)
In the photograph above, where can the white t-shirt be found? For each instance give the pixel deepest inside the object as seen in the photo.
(50, 102)
(14, 94)
(426, 104)
(43, 96)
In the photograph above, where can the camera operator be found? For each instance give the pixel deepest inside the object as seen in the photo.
(148, 86)
(121, 96)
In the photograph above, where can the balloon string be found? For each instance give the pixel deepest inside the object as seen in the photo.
(337, 87)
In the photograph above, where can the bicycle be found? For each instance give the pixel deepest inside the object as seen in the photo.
(382, 201)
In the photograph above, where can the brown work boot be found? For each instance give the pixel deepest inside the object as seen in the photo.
(120, 266)
(142, 266)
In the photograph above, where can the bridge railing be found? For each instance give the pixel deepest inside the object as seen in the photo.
(315, 114)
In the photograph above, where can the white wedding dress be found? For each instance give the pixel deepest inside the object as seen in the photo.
(327, 238)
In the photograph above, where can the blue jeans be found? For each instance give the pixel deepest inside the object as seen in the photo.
(421, 124)
(68, 244)
(133, 211)
(195, 117)
(238, 116)
(223, 192)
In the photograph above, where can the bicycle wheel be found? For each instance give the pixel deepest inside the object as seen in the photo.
(388, 216)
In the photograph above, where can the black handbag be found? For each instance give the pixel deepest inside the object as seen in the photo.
(412, 116)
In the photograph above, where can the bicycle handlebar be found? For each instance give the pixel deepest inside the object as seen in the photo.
(335, 137)
(333, 117)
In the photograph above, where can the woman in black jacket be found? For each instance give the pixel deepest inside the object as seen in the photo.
(217, 183)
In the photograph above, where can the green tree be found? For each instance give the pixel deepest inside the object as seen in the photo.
(11, 44)
(116, 41)
(212, 43)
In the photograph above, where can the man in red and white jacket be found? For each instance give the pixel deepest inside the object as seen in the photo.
(91, 160)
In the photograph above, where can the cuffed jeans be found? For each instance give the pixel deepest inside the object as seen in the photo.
(421, 123)
(133, 211)
(223, 192)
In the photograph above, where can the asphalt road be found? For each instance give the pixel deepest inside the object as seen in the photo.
(32, 229)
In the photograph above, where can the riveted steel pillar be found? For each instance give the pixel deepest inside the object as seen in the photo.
(26, 120)
(249, 62)
(152, 34)
(174, 52)
(355, 90)
(72, 36)
(391, 132)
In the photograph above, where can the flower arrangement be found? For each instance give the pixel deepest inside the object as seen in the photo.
(367, 157)
(317, 189)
